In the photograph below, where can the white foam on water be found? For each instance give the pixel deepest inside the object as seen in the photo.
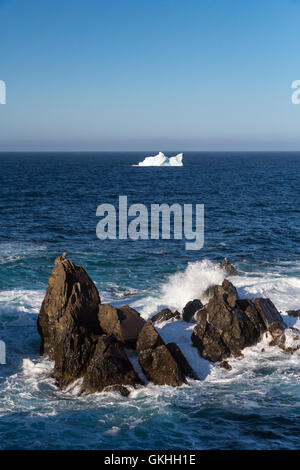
(181, 287)
(161, 160)
(283, 290)
(191, 283)
(22, 300)
(16, 251)
(31, 389)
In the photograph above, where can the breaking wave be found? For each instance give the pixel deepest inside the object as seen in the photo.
(253, 390)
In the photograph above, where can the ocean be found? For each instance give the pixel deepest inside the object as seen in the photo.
(48, 205)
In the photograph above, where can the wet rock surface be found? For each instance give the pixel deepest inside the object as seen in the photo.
(227, 288)
(124, 322)
(165, 315)
(162, 364)
(109, 367)
(294, 313)
(228, 324)
(228, 268)
(69, 307)
(181, 360)
(87, 339)
(155, 359)
(190, 309)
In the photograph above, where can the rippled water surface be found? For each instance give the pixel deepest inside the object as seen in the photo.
(48, 205)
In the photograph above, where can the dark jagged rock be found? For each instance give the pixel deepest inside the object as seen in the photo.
(119, 389)
(72, 356)
(71, 334)
(157, 362)
(249, 309)
(272, 321)
(160, 367)
(148, 338)
(276, 326)
(68, 320)
(199, 314)
(269, 313)
(228, 268)
(109, 366)
(181, 360)
(71, 301)
(294, 313)
(124, 322)
(225, 365)
(227, 288)
(190, 309)
(227, 324)
(165, 315)
(224, 328)
(209, 342)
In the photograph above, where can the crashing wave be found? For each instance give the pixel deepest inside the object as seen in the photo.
(161, 160)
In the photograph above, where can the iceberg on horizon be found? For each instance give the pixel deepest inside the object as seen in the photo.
(161, 160)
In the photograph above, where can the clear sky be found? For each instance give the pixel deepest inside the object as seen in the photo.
(149, 74)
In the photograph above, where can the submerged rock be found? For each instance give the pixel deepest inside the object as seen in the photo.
(294, 313)
(190, 309)
(165, 315)
(228, 268)
(225, 365)
(124, 322)
(118, 389)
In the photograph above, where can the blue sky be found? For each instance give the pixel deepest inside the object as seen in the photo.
(160, 74)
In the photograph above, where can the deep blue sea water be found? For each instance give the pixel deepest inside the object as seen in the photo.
(252, 210)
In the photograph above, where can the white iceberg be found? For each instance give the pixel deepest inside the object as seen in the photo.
(161, 160)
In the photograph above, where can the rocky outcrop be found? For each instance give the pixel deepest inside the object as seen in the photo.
(294, 313)
(228, 268)
(68, 320)
(165, 315)
(190, 309)
(181, 360)
(272, 320)
(124, 322)
(231, 324)
(72, 356)
(109, 368)
(157, 360)
(227, 288)
(148, 338)
(228, 324)
(71, 333)
(87, 339)
(69, 307)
